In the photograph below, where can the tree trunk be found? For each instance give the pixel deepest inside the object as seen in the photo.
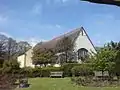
(66, 57)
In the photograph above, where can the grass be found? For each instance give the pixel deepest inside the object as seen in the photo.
(59, 84)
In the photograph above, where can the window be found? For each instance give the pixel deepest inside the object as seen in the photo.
(82, 54)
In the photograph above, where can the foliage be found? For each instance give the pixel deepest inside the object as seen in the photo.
(7, 82)
(82, 70)
(65, 46)
(45, 72)
(2, 54)
(11, 66)
(43, 57)
(12, 48)
(23, 46)
(67, 68)
(115, 46)
(38, 72)
(26, 72)
(117, 64)
(81, 81)
(104, 60)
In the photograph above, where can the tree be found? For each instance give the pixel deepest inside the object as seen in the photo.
(12, 49)
(3, 40)
(2, 53)
(23, 46)
(104, 60)
(65, 46)
(11, 66)
(43, 56)
(110, 2)
(115, 46)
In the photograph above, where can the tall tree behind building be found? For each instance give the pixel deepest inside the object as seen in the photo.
(65, 46)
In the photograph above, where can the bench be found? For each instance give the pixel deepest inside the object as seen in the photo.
(56, 74)
(101, 75)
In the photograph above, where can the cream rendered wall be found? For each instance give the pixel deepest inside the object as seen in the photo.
(83, 42)
(28, 60)
(20, 59)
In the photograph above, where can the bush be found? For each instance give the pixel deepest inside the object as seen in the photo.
(11, 66)
(67, 68)
(36, 72)
(82, 81)
(82, 70)
(7, 82)
(45, 72)
(26, 72)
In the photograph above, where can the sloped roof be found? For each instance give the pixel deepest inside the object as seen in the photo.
(52, 43)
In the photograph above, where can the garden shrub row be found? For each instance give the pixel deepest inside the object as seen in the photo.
(39, 72)
(69, 69)
(82, 70)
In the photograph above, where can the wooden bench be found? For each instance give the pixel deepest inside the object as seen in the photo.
(101, 75)
(56, 74)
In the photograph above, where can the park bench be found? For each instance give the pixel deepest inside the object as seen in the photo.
(56, 74)
(100, 75)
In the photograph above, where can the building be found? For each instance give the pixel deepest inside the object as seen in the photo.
(83, 46)
(25, 60)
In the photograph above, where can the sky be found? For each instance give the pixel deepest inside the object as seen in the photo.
(41, 20)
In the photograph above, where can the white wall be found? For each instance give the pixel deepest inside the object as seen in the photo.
(29, 58)
(83, 42)
(21, 59)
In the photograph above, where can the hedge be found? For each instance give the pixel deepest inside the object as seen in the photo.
(82, 70)
(45, 72)
(67, 68)
(39, 72)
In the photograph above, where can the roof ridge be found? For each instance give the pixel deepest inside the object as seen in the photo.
(67, 33)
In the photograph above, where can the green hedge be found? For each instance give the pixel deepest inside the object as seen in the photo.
(39, 72)
(82, 70)
(27, 72)
(67, 68)
(36, 72)
(45, 72)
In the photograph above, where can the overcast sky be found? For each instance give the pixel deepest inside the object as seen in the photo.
(36, 20)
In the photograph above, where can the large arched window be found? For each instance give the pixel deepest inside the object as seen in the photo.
(82, 54)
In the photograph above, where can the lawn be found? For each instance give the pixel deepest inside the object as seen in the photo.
(59, 84)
